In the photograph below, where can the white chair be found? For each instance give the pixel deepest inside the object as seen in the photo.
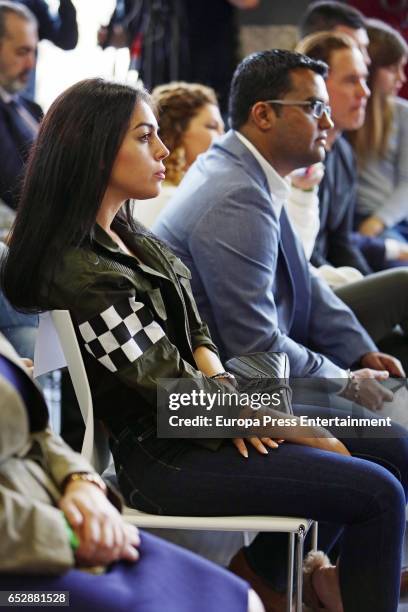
(56, 347)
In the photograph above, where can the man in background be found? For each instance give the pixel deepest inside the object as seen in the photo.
(19, 117)
(329, 15)
(336, 244)
(61, 29)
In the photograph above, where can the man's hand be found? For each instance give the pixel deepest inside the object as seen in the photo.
(369, 393)
(382, 361)
(372, 226)
(103, 534)
(364, 388)
(310, 178)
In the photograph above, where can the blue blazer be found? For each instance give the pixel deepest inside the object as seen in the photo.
(14, 148)
(250, 278)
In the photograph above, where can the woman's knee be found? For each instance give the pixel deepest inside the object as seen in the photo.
(372, 491)
(398, 457)
(399, 277)
(389, 497)
(392, 454)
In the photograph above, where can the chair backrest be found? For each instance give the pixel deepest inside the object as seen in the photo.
(57, 327)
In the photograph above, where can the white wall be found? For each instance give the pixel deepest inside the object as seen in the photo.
(57, 69)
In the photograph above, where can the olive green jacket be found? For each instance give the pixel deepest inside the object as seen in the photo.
(136, 322)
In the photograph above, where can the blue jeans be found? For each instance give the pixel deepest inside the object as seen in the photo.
(19, 329)
(373, 247)
(360, 499)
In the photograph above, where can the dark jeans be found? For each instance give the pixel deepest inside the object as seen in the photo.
(380, 302)
(20, 329)
(373, 249)
(360, 499)
(399, 231)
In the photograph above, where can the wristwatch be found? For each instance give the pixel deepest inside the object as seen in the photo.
(93, 478)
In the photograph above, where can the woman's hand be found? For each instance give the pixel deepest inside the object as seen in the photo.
(103, 534)
(329, 444)
(259, 443)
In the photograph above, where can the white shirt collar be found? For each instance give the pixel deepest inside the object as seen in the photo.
(6, 96)
(278, 187)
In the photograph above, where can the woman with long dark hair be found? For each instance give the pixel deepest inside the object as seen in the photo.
(190, 121)
(75, 245)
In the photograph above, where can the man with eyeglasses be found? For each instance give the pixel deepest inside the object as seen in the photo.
(318, 107)
(228, 223)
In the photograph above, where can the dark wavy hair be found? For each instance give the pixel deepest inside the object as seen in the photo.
(65, 181)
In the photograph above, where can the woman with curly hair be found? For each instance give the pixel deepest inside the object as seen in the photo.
(190, 121)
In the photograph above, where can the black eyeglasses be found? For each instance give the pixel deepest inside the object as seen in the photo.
(317, 106)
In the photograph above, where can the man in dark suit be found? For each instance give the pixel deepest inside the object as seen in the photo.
(19, 117)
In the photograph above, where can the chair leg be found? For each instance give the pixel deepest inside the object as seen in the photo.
(315, 535)
(291, 560)
(300, 537)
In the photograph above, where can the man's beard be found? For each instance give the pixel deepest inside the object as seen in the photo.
(15, 86)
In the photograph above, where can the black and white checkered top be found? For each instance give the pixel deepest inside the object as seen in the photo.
(120, 334)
